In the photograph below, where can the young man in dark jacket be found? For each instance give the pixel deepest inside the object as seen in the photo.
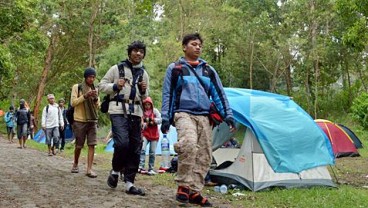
(186, 102)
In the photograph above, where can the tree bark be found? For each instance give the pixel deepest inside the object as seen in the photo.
(42, 82)
(91, 35)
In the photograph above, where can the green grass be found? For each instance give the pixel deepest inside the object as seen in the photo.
(343, 196)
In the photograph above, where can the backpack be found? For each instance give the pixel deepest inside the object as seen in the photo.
(137, 77)
(69, 114)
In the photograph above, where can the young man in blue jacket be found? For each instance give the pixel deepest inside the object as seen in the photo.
(186, 103)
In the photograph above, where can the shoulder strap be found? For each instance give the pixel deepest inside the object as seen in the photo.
(121, 69)
(47, 109)
(200, 80)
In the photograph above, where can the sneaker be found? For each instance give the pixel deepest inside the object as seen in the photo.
(142, 171)
(112, 180)
(151, 172)
(135, 191)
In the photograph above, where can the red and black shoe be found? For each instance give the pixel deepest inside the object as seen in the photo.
(197, 198)
(182, 195)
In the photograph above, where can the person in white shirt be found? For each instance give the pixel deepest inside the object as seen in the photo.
(52, 120)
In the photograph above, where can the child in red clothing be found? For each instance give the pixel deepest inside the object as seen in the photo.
(151, 118)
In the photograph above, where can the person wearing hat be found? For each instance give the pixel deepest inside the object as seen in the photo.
(61, 103)
(9, 119)
(52, 120)
(126, 84)
(85, 100)
(23, 122)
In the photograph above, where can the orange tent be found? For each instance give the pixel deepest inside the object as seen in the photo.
(1, 113)
(342, 144)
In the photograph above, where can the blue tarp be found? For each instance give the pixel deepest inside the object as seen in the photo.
(41, 138)
(172, 136)
(291, 140)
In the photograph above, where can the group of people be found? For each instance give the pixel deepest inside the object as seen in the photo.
(20, 122)
(189, 87)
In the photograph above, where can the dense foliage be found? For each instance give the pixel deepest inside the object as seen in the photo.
(313, 51)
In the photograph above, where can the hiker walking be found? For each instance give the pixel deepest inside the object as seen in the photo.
(51, 121)
(127, 85)
(61, 103)
(23, 122)
(186, 101)
(85, 100)
(33, 125)
(150, 133)
(9, 119)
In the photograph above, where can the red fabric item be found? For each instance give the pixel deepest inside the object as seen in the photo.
(151, 132)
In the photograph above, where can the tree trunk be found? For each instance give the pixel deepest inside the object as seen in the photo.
(91, 35)
(315, 58)
(251, 62)
(42, 82)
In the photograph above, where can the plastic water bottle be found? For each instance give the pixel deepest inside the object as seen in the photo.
(216, 188)
(223, 189)
(165, 152)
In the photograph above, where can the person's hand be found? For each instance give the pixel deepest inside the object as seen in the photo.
(62, 127)
(142, 86)
(92, 93)
(121, 83)
(165, 126)
(231, 123)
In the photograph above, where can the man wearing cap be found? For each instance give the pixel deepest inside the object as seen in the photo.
(127, 85)
(62, 130)
(85, 100)
(52, 120)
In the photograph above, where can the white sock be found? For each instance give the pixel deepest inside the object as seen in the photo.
(128, 185)
(115, 173)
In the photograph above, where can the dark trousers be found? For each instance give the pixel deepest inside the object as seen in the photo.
(127, 145)
(62, 138)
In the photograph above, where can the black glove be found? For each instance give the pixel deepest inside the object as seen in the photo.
(165, 126)
(230, 122)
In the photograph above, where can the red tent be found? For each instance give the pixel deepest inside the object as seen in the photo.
(342, 144)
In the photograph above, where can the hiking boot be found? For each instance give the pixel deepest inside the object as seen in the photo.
(112, 180)
(135, 191)
(182, 195)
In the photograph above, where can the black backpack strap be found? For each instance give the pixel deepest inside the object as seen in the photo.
(137, 77)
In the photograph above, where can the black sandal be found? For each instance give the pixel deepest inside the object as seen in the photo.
(197, 198)
(182, 195)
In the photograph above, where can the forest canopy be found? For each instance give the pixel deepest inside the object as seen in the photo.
(313, 51)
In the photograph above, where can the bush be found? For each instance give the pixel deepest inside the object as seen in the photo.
(359, 109)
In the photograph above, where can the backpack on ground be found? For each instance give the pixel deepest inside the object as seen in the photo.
(69, 114)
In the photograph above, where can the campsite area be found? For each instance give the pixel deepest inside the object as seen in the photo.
(30, 178)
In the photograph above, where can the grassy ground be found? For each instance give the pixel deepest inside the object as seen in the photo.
(350, 175)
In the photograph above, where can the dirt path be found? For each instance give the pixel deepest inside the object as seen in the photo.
(30, 178)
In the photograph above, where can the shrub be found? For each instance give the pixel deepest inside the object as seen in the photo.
(359, 109)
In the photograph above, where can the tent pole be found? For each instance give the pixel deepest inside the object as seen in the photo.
(337, 181)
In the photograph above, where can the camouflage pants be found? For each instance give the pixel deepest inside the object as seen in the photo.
(194, 148)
